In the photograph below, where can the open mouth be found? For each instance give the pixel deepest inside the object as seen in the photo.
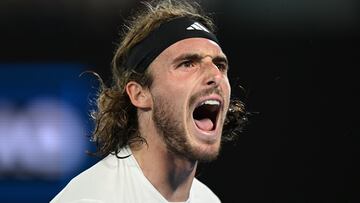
(206, 114)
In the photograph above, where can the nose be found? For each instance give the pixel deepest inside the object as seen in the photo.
(212, 73)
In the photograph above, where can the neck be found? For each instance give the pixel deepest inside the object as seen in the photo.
(170, 174)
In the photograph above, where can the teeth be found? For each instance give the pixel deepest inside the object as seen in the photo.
(211, 102)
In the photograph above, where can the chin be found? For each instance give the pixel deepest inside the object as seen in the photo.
(207, 156)
(205, 152)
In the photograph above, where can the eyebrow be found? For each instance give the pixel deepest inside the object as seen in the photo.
(198, 57)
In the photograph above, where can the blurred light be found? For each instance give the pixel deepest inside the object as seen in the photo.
(43, 138)
(42, 121)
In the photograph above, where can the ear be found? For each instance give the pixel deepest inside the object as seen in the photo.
(139, 96)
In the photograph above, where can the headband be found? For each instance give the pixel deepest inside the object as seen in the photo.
(143, 53)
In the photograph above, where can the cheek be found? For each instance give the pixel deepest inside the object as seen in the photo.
(227, 88)
(227, 92)
(177, 87)
(172, 91)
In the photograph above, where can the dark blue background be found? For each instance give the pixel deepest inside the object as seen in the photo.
(20, 84)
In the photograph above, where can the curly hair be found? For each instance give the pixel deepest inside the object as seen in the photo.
(116, 119)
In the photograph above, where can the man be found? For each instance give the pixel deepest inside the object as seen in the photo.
(164, 113)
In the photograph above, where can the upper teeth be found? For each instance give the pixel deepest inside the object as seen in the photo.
(211, 102)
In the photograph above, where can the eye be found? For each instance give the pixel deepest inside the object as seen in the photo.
(187, 64)
(221, 66)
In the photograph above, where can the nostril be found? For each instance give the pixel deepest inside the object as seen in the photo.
(211, 82)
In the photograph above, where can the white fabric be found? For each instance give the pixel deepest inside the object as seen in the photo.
(121, 180)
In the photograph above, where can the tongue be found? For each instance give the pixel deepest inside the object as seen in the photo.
(204, 124)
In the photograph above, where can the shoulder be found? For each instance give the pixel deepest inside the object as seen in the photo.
(202, 193)
(93, 184)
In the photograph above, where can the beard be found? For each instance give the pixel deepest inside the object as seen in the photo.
(171, 128)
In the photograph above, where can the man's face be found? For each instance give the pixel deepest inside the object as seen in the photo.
(191, 94)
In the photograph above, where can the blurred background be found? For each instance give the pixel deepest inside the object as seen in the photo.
(296, 62)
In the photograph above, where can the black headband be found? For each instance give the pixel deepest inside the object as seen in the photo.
(143, 53)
